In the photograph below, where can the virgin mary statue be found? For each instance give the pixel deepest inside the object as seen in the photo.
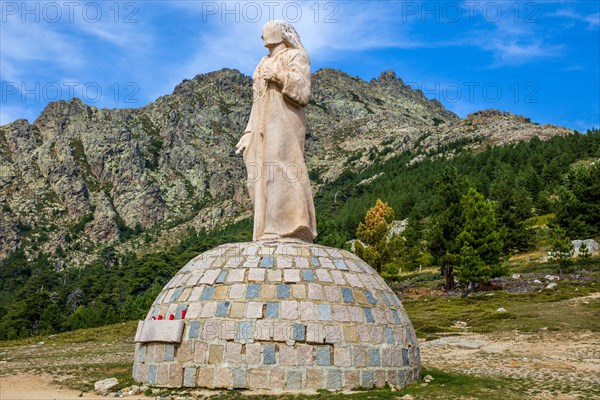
(273, 142)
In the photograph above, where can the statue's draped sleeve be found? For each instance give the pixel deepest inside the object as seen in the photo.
(296, 82)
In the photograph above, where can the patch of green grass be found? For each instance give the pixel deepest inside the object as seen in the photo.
(526, 312)
(82, 377)
(123, 331)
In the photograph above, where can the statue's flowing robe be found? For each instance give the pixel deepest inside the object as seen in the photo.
(278, 180)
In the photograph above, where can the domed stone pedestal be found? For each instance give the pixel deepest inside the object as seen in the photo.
(276, 315)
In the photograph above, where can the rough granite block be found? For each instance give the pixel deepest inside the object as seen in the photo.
(324, 312)
(252, 291)
(222, 308)
(215, 354)
(370, 297)
(299, 332)
(332, 294)
(374, 358)
(254, 309)
(340, 264)
(307, 311)
(223, 378)
(207, 293)
(405, 357)
(256, 275)
(269, 354)
(236, 275)
(272, 311)
(289, 309)
(367, 379)
(267, 262)
(189, 377)
(314, 378)
(287, 356)
(323, 355)
(152, 370)
(240, 378)
(308, 275)
(293, 379)
(347, 295)
(221, 277)
(253, 353)
(342, 356)
(175, 295)
(291, 275)
(283, 291)
(258, 378)
(315, 291)
(333, 381)
(245, 331)
(369, 315)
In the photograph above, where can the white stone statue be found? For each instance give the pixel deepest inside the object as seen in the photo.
(273, 142)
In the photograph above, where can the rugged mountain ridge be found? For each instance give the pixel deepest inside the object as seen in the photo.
(81, 178)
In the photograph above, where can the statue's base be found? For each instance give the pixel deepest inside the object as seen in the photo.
(276, 315)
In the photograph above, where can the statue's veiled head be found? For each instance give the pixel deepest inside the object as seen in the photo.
(277, 31)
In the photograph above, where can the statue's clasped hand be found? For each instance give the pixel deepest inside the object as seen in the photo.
(243, 143)
(271, 74)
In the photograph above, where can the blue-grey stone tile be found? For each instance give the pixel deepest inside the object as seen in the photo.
(222, 308)
(152, 374)
(396, 317)
(142, 353)
(221, 277)
(324, 312)
(333, 381)
(389, 336)
(207, 293)
(347, 295)
(299, 332)
(308, 275)
(340, 264)
(401, 378)
(155, 312)
(267, 262)
(369, 315)
(370, 297)
(283, 291)
(194, 329)
(169, 352)
(367, 379)
(269, 354)
(252, 290)
(404, 357)
(179, 311)
(240, 378)
(315, 262)
(374, 358)
(323, 355)
(387, 300)
(189, 377)
(293, 379)
(272, 310)
(245, 331)
(176, 295)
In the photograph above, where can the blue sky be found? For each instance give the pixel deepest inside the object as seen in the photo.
(540, 59)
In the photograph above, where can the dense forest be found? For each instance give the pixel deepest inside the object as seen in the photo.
(559, 178)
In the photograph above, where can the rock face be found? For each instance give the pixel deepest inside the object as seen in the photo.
(276, 315)
(87, 175)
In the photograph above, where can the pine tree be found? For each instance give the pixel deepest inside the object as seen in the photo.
(479, 240)
(561, 248)
(373, 233)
